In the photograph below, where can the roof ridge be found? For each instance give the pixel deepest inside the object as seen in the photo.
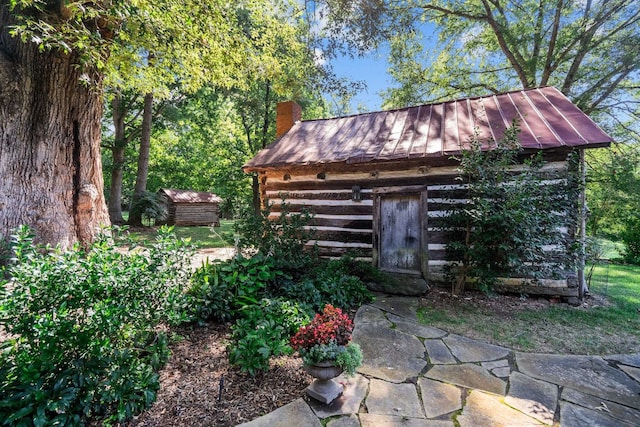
(463, 98)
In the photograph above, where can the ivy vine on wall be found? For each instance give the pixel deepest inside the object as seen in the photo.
(518, 218)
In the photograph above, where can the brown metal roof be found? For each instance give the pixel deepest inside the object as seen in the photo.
(547, 120)
(189, 196)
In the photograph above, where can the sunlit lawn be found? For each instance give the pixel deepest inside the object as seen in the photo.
(558, 328)
(201, 237)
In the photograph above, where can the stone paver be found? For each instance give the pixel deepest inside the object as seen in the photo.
(576, 416)
(350, 421)
(501, 372)
(375, 420)
(401, 306)
(485, 409)
(387, 398)
(535, 398)
(499, 368)
(355, 389)
(388, 353)
(468, 350)
(369, 314)
(439, 398)
(468, 375)
(495, 364)
(439, 353)
(296, 413)
(615, 410)
(417, 329)
(414, 375)
(632, 372)
(626, 359)
(588, 374)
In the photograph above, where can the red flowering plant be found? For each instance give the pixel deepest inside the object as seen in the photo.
(328, 338)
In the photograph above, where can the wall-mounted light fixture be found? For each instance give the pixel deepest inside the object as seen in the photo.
(356, 193)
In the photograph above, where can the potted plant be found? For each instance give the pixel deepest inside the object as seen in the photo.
(327, 351)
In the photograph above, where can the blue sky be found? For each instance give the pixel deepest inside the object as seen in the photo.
(373, 70)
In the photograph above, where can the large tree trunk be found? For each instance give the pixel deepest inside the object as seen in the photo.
(118, 154)
(50, 166)
(135, 215)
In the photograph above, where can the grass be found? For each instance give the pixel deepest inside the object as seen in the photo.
(201, 237)
(609, 323)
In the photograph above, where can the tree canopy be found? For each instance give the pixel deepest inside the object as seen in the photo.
(590, 50)
(154, 48)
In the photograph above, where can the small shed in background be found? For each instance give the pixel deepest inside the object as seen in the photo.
(187, 207)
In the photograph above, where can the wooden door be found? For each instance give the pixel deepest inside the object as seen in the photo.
(400, 238)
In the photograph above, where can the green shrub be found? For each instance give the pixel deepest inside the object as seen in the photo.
(263, 331)
(509, 217)
(84, 343)
(365, 271)
(211, 298)
(249, 277)
(282, 238)
(631, 239)
(149, 207)
(219, 290)
(350, 359)
(331, 282)
(341, 290)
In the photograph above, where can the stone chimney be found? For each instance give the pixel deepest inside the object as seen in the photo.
(287, 114)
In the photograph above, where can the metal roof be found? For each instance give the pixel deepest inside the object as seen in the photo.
(546, 117)
(189, 196)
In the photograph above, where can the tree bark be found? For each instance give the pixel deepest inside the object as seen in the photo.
(118, 154)
(135, 215)
(49, 143)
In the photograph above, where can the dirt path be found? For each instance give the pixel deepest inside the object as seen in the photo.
(211, 254)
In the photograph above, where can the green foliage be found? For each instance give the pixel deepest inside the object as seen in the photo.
(84, 343)
(150, 207)
(508, 217)
(211, 298)
(272, 293)
(263, 331)
(249, 278)
(221, 290)
(477, 47)
(198, 144)
(280, 237)
(613, 188)
(331, 282)
(365, 271)
(341, 289)
(348, 357)
(631, 239)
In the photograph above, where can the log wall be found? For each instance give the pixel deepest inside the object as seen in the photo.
(346, 226)
(193, 214)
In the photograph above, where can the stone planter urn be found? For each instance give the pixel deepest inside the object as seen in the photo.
(323, 388)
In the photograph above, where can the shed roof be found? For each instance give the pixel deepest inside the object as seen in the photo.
(546, 117)
(190, 196)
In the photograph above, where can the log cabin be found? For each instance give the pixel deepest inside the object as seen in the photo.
(378, 183)
(190, 208)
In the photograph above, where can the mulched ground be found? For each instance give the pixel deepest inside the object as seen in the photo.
(504, 305)
(200, 388)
